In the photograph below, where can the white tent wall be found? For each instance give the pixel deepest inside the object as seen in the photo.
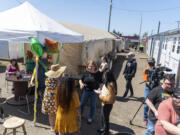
(10, 50)
(92, 50)
(4, 50)
(70, 56)
(15, 51)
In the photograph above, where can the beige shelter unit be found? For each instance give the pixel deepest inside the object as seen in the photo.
(76, 55)
(96, 42)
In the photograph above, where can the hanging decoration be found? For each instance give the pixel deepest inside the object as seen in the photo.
(51, 46)
(58, 57)
(36, 47)
(38, 51)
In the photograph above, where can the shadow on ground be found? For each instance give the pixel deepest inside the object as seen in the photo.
(18, 112)
(121, 129)
(138, 99)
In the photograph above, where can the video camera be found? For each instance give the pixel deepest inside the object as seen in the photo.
(155, 75)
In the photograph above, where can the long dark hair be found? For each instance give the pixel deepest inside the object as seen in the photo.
(65, 93)
(109, 78)
(29, 55)
(16, 64)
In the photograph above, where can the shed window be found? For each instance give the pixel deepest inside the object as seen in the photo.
(174, 41)
(165, 46)
(178, 49)
(173, 48)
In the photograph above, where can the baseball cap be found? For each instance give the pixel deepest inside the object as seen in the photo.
(151, 60)
(131, 54)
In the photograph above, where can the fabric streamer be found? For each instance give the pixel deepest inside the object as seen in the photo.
(57, 60)
(58, 57)
(36, 95)
(22, 49)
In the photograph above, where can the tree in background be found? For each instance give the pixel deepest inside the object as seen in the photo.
(117, 32)
(145, 35)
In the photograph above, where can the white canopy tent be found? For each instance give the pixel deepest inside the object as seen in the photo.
(24, 21)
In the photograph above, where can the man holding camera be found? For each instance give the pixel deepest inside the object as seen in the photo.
(129, 73)
(151, 64)
(155, 97)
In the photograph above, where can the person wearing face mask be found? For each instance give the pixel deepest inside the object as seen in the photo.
(169, 116)
(155, 97)
(90, 81)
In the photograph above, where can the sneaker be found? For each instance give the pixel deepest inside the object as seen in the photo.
(131, 95)
(89, 121)
(101, 130)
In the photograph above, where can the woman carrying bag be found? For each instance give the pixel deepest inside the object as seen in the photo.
(108, 96)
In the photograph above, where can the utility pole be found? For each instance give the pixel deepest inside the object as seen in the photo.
(140, 29)
(178, 24)
(110, 16)
(158, 27)
(152, 32)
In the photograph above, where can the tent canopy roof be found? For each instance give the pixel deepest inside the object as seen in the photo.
(21, 22)
(89, 33)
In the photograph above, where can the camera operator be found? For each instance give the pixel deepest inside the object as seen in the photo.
(155, 97)
(151, 64)
(129, 73)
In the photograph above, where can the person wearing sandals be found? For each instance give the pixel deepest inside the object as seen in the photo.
(51, 83)
(90, 81)
(107, 94)
(68, 117)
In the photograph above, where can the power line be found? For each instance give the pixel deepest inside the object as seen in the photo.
(146, 11)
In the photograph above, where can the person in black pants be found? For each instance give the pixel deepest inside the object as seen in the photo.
(129, 73)
(107, 99)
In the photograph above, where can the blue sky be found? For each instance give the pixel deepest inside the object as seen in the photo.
(95, 13)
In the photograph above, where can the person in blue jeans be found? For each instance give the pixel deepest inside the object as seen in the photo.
(151, 64)
(155, 97)
(90, 81)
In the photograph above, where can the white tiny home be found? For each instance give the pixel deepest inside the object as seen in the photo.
(165, 48)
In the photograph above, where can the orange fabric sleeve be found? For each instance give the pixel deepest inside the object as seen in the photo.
(145, 77)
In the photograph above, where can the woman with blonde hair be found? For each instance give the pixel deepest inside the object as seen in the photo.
(68, 108)
(89, 82)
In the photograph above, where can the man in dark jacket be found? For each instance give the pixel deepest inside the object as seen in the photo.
(129, 73)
